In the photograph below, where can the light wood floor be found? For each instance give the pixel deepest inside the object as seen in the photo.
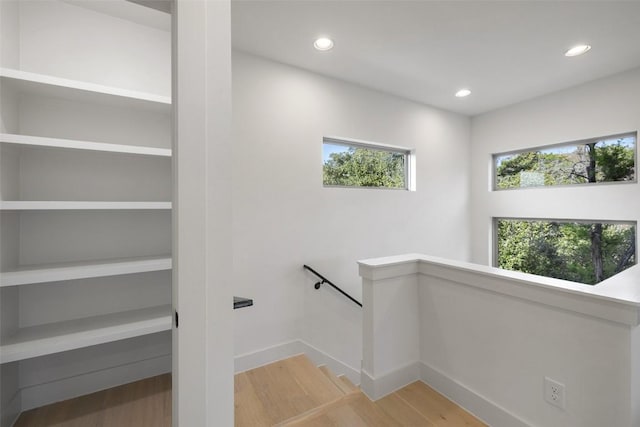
(139, 404)
(291, 392)
(317, 398)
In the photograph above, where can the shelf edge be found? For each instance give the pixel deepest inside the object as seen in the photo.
(48, 80)
(54, 273)
(38, 141)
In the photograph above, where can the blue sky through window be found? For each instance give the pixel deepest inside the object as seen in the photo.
(328, 149)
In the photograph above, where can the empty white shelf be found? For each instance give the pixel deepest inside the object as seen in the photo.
(37, 205)
(73, 334)
(82, 270)
(58, 87)
(82, 145)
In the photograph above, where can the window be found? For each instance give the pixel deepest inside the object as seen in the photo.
(597, 160)
(347, 163)
(580, 251)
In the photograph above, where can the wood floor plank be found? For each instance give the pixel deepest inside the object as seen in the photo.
(273, 381)
(346, 416)
(305, 418)
(339, 383)
(398, 409)
(317, 385)
(435, 407)
(371, 413)
(249, 410)
(347, 382)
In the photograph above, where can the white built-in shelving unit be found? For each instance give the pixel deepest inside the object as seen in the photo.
(85, 196)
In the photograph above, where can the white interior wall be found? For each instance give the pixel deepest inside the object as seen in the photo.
(284, 218)
(9, 34)
(89, 236)
(501, 348)
(49, 302)
(79, 175)
(105, 43)
(604, 107)
(51, 117)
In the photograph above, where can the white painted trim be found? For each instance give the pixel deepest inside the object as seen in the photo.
(202, 221)
(90, 382)
(246, 361)
(616, 299)
(376, 145)
(478, 405)
(379, 387)
(255, 359)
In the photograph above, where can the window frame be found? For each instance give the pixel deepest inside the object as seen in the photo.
(634, 134)
(408, 153)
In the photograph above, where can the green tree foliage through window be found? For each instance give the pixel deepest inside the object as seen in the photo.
(356, 166)
(565, 250)
(605, 160)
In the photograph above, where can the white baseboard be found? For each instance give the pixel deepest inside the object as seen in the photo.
(246, 361)
(382, 385)
(478, 405)
(11, 411)
(90, 382)
(254, 359)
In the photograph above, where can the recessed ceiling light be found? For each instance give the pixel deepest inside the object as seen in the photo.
(578, 50)
(463, 92)
(323, 43)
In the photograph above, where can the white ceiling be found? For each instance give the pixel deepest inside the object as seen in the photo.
(504, 51)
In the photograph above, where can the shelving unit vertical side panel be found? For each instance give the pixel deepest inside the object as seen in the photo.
(9, 314)
(9, 240)
(10, 394)
(9, 122)
(9, 172)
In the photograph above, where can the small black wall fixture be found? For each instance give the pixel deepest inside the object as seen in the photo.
(324, 280)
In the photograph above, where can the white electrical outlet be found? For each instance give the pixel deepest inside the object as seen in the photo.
(554, 392)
